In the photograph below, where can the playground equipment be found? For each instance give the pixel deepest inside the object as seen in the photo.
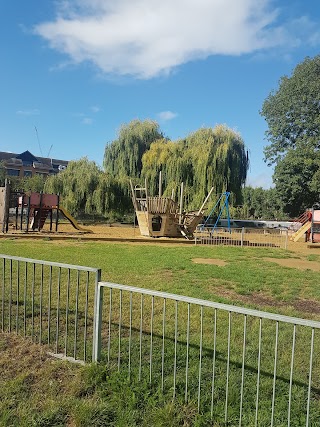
(31, 211)
(160, 216)
(307, 224)
(315, 226)
(221, 204)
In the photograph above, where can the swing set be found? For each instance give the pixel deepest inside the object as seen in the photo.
(223, 204)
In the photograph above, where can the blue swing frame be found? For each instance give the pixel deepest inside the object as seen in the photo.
(225, 205)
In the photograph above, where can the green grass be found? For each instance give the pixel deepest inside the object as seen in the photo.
(36, 391)
(171, 269)
(99, 395)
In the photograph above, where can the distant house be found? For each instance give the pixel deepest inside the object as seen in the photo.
(26, 164)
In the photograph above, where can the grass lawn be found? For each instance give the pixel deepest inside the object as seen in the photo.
(171, 269)
(98, 395)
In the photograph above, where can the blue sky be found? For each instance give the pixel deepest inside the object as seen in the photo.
(76, 70)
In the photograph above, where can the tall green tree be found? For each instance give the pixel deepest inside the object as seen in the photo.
(296, 178)
(292, 112)
(172, 160)
(86, 189)
(210, 157)
(123, 156)
(33, 183)
(260, 203)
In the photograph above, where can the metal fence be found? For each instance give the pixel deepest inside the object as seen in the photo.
(256, 237)
(245, 367)
(242, 366)
(50, 302)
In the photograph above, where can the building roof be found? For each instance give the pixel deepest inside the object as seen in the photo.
(27, 157)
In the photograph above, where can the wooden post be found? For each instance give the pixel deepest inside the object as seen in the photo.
(160, 184)
(17, 214)
(145, 187)
(146, 190)
(21, 212)
(51, 218)
(28, 212)
(134, 200)
(40, 213)
(181, 203)
(57, 215)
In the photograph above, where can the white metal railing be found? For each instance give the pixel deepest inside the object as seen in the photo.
(53, 303)
(243, 237)
(211, 353)
(244, 366)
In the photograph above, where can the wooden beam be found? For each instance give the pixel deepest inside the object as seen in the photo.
(181, 202)
(205, 201)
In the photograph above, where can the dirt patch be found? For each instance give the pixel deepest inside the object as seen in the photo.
(101, 230)
(260, 300)
(301, 248)
(307, 306)
(300, 264)
(128, 231)
(211, 261)
(17, 354)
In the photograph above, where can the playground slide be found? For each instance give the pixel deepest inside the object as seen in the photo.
(296, 236)
(73, 221)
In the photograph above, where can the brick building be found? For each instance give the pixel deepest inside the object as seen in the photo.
(26, 164)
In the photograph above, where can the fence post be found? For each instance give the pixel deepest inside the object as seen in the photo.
(242, 235)
(286, 242)
(97, 319)
(6, 207)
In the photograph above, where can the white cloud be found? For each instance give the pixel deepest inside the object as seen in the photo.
(32, 112)
(166, 115)
(146, 38)
(95, 109)
(87, 121)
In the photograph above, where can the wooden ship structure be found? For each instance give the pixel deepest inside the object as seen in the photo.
(160, 216)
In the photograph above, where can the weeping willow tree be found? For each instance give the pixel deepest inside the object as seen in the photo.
(210, 157)
(170, 158)
(86, 189)
(206, 158)
(228, 162)
(122, 157)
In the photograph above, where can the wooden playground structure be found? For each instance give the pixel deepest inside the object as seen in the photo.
(308, 225)
(160, 216)
(27, 213)
(31, 210)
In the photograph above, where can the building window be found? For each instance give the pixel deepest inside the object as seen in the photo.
(27, 173)
(13, 172)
